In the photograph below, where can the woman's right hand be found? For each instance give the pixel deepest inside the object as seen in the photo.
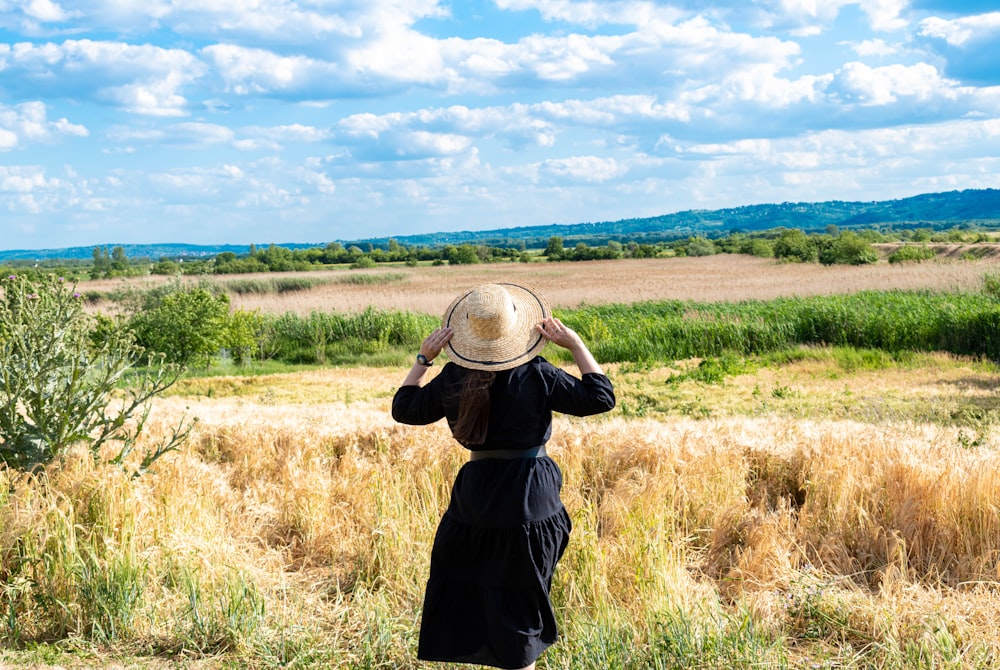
(434, 343)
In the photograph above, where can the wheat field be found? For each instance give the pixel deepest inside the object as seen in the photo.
(294, 529)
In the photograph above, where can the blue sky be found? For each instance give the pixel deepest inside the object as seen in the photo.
(260, 121)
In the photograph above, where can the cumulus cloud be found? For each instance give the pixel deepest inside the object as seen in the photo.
(28, 122)
(967, 44)
(496, 111)
(884, 85)
(143, 79)
(591, 169)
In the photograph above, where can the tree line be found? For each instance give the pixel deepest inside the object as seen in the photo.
(833, 246)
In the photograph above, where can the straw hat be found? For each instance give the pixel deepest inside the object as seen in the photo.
(494, 326)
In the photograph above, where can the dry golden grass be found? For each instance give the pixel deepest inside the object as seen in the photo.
(707, 278)
(846, 539)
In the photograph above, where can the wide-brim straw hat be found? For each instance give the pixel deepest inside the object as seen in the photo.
(494, 326)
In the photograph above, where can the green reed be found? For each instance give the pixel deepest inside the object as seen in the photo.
(966, 324)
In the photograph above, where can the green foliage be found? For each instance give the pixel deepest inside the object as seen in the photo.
(243, 333)
(363, 262)
(268, 285)
(554, 250)
(331, 337)
(848, 248)
(465, 254)
(795, 245)
(699, 246)
(911, 253)
(714, 370)
(61, 380)
(185, 324)
(991, 284)
(965, 324)
(758, 247)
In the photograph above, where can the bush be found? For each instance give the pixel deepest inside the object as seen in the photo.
(243, 334)
(63, 382)
(795, 245)
(911, 253)
(700, 246)
(185, 324)
(848, 249)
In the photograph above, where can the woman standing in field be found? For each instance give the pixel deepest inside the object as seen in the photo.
(497, 545)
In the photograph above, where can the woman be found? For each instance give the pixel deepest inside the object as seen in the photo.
(497, 545)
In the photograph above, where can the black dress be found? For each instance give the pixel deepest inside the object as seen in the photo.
(496, 548)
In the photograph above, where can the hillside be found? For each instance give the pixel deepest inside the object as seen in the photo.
(934, 210)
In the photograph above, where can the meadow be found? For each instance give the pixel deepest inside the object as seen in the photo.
(821, 507)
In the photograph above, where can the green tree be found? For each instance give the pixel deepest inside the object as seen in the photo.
(464, 254)
(187, 325)
(102, 263)
(795, 245)
(848, 248)
(119, 261)
(243, 333)
(700, 246)
(554, 250)
(68, 378)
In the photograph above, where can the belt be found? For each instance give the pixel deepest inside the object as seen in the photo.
(531, 452)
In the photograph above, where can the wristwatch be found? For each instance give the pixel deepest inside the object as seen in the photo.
(423, 360)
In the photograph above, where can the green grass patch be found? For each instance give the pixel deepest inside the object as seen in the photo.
(370, 279)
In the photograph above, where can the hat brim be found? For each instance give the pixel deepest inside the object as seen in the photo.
(520, 346)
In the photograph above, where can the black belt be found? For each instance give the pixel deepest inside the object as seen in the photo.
(532, 452)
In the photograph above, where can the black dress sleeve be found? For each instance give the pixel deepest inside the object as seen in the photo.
(419, 405)
(593, 394)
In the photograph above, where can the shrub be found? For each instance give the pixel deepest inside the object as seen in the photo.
(186, 324)
(700, 246)
(848, 248)
(794, 245)
(991, 284)
(911, 253)
(244, 331)
(63, 382)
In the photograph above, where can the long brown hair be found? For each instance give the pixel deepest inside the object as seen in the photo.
(474, 408)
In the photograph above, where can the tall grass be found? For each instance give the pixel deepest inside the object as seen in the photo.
(299, 535)
(264, 285)
(331, 337)
(892, 321)
(895, 322)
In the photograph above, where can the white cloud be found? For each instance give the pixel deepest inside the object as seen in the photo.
(142, 79)
(45, 11)
(511, 112)
(591, 169)
(21, 179)
(254, 71)
(959, 32)
(28, 122)
(885, 85)
(884, 15)
(874, 47)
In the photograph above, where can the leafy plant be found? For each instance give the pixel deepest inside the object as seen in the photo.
(186, 324)
(64, 382)
(912, 253)
(848, 248)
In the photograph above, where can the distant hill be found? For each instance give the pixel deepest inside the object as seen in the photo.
(933, 210)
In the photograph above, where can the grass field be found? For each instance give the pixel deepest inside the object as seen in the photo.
(828, 509)
(708, 278)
